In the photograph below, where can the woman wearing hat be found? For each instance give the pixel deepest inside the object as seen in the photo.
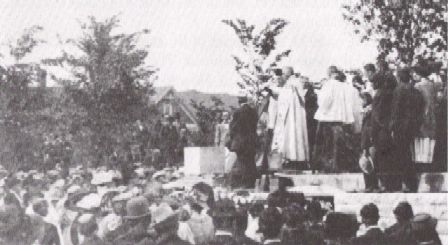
(425, 141)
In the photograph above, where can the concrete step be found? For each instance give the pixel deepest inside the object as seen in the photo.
(354, 182)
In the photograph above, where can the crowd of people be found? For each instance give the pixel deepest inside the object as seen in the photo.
(94, 207)
(389, 124)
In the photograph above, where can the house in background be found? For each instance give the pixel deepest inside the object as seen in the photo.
(170, 102)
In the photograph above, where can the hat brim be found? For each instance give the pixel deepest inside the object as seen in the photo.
(137, 217)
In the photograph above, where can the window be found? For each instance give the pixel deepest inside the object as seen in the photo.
(167, 109)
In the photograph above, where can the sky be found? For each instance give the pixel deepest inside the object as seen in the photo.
(188, 42)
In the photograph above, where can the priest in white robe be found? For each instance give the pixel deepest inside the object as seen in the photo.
(290, 138)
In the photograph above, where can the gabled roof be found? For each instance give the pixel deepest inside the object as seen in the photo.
(185, 98)
(160, 93)
(229, 101)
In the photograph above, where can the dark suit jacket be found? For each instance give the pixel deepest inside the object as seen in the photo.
(243, 129)
(373, 236)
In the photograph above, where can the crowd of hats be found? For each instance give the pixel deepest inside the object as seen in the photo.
(93, 194)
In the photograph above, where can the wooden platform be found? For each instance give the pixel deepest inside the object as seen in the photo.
(354, 182)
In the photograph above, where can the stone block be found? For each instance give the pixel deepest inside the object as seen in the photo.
(354, 182)
(204, 160)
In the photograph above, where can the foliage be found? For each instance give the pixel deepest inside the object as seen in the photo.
(258, 49)
(110, 89)
(25, 107)
(406, 31)
(207, 120)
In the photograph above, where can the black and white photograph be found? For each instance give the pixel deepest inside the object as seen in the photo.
(223, 122)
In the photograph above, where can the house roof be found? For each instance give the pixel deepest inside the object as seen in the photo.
(160, 93)
(185, 98)
(229, 101)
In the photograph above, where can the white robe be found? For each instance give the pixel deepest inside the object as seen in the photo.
(290, 132)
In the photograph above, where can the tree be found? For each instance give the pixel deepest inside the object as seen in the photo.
(110, 88)
(254, 68)
(406, 31)
(206, 116)
(23, 104)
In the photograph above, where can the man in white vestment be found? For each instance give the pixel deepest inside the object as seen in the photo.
(290, 132)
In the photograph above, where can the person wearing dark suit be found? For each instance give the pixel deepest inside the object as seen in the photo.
(243, 136)
(169, 142)
(406, 119)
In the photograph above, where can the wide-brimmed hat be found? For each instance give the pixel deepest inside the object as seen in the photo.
(125, 196)
(102, 178)
(73, 189)
(137, 207)
(89, 202)
(423, 222)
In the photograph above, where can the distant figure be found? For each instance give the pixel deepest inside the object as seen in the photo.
(407, 111)
(333, 152)
(243, 136)
(221, 137)
(425, 141)
(381, 132)
(169, 140)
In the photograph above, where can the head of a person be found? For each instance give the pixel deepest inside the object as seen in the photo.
(294, 215)
(224, 214)
(196, 207)
(369, 71)
(256, 209)
(184, 215)
(243, 99)
(332, 72)
(403, 212)
(225, 116)
(340, 225)
(421, 71)
(284, 183)
(314, 211)
(204, 194)
(137, 211)
(382, 65)
(370, 214)
(357, 82)
(270, 223)
(297, 198)
(287, 72)
(170, 120)
(40, 207)
(340, 76)
(404, 75)
(119, 207)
